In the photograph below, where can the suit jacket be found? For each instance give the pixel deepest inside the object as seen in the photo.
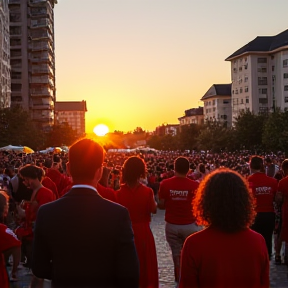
(84, 240)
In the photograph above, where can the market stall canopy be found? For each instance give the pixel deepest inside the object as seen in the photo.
(17, 149)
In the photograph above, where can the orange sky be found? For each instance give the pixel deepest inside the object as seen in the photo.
(142, 63)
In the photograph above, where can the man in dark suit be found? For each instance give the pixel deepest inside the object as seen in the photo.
(82, 239)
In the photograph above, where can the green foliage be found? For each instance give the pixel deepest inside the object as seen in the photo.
(215, 136)
(61, 135)
(17, 128)
(188, 137)
(275, 132)
(249, 129)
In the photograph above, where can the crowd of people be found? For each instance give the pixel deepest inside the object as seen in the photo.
(221, 212)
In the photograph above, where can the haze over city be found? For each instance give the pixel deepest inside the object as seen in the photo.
(142, 63)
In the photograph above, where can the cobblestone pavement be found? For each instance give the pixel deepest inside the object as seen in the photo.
(278, 273)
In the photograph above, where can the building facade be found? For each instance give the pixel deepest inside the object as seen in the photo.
(33, 58)
(259, 73)
(72, 113)
(5, 80)
(192, 116)
(217, 104)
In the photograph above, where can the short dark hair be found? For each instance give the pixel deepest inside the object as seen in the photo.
(85, 157)
(256, 162)
(181, 165)
(32, 172)
(133, 169)
(224, 200)
(284, 165)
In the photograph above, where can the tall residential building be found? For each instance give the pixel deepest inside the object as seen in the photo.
(72, 113)
(259, 72)
(33, 58)
(5, 80)
(217, 103)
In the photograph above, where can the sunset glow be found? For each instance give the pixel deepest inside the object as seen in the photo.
(101, 130)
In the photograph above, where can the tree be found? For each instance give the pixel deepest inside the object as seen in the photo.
(215, 136)
(61, 135)
(17, 128)
(248, 129)
(188, 135)
(275, 132)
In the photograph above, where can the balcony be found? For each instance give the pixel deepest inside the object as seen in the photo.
(42, 107)
(41, 23)
(41, 92)
(42, 34)
(37, 2)
(42, 69)
(14, 1)
(40, 46)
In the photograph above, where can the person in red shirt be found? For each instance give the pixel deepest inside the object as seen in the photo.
(9, 244)
(175, 195)
(227, 253)
(264, 189)
(283, 190)
(140, 202)
(28, 210)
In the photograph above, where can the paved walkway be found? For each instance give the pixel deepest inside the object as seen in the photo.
(278, 273)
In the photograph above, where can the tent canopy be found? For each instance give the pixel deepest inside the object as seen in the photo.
(18, 149)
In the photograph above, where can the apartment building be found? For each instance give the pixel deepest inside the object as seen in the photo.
(72, 113)
(33, 58)
(192, 116)
(259, 73)
(5, 80)
(217, 103)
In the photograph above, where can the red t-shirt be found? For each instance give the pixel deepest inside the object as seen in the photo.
(139, 201)
(106, 192)
(264, 189)
(7, 240)
(211, 258)
(283, 188)
(178, 192)
(48, 183)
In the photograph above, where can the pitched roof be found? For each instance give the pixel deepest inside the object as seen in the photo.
(71, 106)
(218, 90)
(263, 44)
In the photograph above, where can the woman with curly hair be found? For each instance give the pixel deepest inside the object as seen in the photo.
(227, 253)
(140, 202)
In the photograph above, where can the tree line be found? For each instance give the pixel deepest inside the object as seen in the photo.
(249, 131)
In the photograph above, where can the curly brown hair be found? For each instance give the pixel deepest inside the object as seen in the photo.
(223, 200)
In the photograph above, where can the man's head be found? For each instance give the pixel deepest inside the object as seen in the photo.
(85, 161)
(256, 163)
(284, 166)
(181, 165)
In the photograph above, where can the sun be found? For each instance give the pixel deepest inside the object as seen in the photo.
(101, 130)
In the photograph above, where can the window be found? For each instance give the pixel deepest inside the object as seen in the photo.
(285, 63)
(214, 102)
(262, 70)
(226, 101)
(286, 88)
(247, 100)
(241, 102)
(240, 69)
(263, 91)
(273, 68)
(262, 60)
(246, 89)
(223, 117)
(246, 79)
(286, 99)
(262, 80)
(234, 70)
(236, 91)
(263, 100)
(241, 90)
(285, 75)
